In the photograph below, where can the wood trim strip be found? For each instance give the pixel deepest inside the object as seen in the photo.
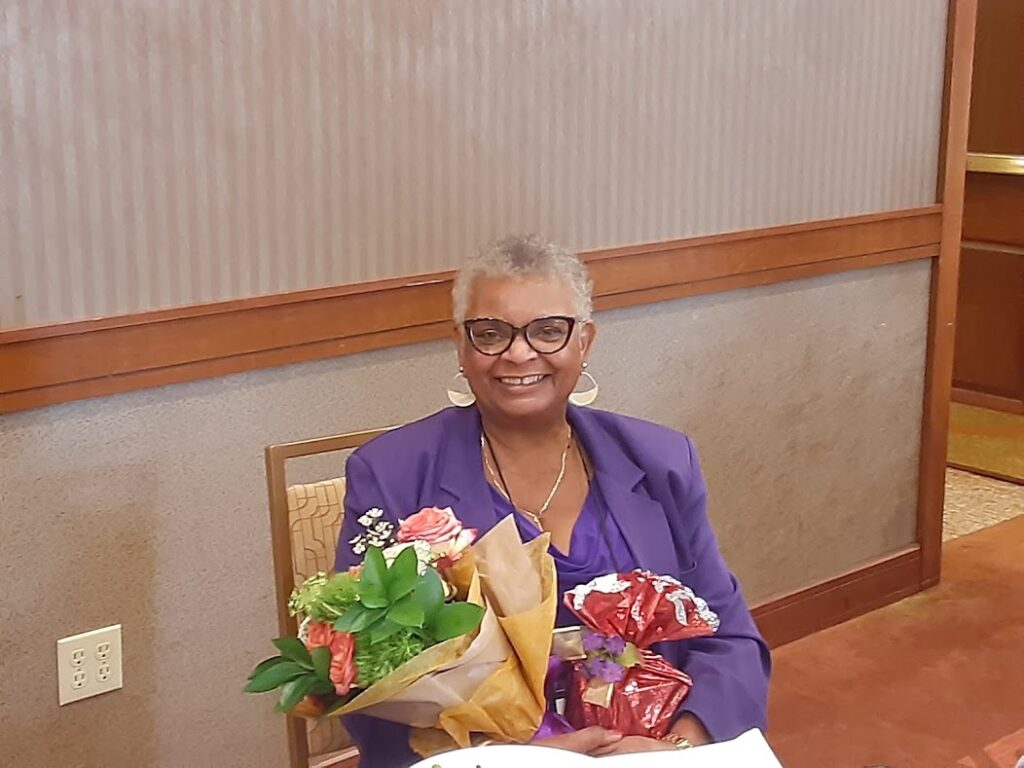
(986, 473)
(987, 400)
(204, 369)
(839, 599)
(753, 279)
(347, 758)
(58, 363)
(945, 276)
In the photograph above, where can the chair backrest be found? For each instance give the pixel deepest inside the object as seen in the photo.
(305, 520)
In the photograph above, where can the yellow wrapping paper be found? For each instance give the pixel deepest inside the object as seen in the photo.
(508, 705)
(491, 682)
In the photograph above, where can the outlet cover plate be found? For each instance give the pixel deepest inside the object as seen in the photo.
(89, 664)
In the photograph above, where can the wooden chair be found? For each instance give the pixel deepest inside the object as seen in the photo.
(305, 520)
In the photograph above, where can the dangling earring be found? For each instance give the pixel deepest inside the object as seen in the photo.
(459, 393)
(585, 396)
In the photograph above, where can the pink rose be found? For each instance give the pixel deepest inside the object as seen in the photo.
(431, 525)
(450, 552)
(319, 635)
(343, 664)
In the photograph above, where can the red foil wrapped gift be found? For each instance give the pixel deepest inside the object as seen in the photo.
(643, 609)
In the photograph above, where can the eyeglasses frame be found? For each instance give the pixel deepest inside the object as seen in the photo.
(517, 330)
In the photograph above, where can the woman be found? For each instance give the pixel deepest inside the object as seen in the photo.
(615, 493)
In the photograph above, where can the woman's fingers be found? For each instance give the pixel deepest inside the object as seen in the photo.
(630, 744)
(585, 741)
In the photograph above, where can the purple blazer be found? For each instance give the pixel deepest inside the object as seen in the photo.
(649, 476)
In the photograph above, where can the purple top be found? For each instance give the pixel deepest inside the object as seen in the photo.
(593, 552)
(648, 480)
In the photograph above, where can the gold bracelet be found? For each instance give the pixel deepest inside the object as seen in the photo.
(677, 741)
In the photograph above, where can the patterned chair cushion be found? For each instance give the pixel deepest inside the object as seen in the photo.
(314, 515)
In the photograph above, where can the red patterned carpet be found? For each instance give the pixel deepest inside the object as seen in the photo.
(935, 681)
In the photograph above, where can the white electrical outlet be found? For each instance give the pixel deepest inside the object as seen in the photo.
(89, 664)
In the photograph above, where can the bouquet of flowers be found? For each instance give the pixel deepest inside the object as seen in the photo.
(434, 629)
(620, 683)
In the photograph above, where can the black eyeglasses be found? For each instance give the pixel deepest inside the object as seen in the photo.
(546, 335)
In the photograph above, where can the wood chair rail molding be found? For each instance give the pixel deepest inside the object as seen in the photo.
(52, 364)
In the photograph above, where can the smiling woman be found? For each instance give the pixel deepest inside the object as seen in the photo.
(614, 493)
(524, 306)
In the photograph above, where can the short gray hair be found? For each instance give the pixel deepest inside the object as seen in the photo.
(525, 256)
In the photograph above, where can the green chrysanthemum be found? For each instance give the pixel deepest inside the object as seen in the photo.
(324, 598)
(379, 660)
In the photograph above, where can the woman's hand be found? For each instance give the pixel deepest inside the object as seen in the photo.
(628, 744)
(587, 741)
(688, 727)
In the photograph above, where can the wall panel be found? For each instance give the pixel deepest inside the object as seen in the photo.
(159, 154)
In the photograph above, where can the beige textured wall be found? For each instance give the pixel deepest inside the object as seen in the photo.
(157, 153)
(805, 403)
(148, 508)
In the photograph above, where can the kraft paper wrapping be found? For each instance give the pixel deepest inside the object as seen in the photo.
(520, 585)
(492, 683)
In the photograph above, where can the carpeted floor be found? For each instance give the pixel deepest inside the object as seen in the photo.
(935, 681)
(989, 442)
(974, 502)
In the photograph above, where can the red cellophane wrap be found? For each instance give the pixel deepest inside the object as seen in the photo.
(642, 608)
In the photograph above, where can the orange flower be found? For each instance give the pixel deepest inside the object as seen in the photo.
(343, 664)
(319, 635)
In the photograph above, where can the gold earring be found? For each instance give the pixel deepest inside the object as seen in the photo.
(588, 395)
(459, 393)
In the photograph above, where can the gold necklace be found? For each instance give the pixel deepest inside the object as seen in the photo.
(502, 486)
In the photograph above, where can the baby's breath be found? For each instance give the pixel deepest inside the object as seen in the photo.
(378, 533)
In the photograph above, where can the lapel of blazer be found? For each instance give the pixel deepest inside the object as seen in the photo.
(620, 479)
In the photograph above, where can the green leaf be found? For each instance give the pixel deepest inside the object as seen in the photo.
(373, 596)
(272, 677)
(375, 569)
(348, 618)
(294, 691)
(429, 593)
(292, 648)
(322, 662)
(454, 620)
(357, 618)
(407, 613)
(322, 687)
(403, 574)
(273, 661)
(351, 618)
(383, 630)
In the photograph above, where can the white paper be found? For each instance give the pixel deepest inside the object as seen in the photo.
(749, 751)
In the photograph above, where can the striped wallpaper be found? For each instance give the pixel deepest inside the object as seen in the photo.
(156, 153)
